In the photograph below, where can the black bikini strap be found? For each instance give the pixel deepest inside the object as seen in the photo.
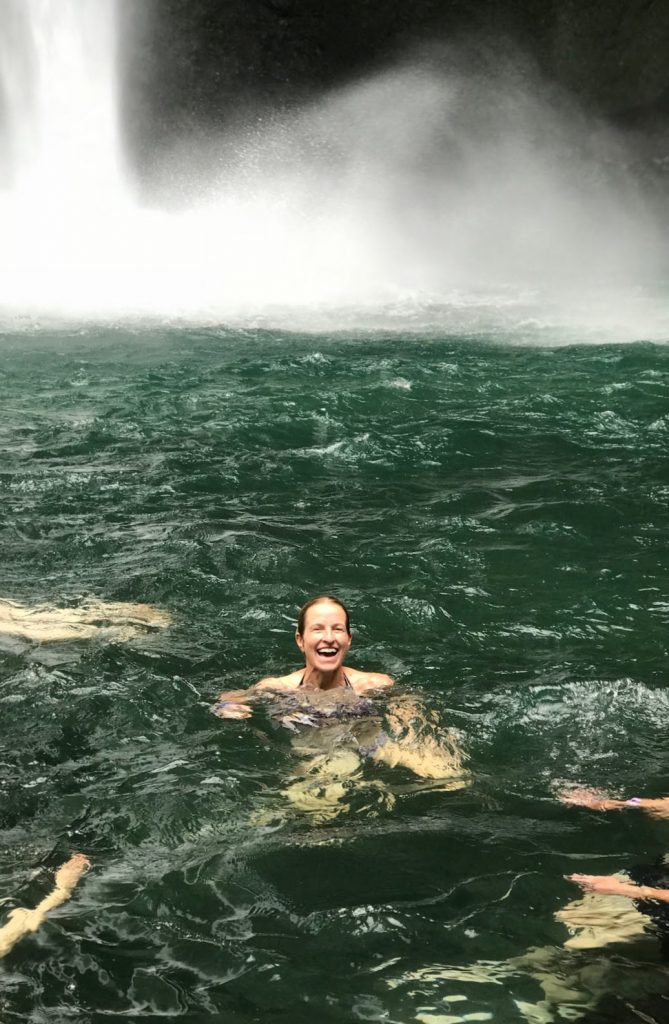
(347, 681)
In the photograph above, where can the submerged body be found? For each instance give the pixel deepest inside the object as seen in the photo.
(646, 884)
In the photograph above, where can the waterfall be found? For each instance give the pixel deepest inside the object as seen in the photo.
(420, 189)
(63, 192)
(58, 75)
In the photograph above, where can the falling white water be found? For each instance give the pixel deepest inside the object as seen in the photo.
(406, 197)
(58, 71)
(62, 167)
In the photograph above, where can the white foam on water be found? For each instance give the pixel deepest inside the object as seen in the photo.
(422, 197)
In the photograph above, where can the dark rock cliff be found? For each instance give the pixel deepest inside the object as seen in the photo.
(204, 57)
(194, 65)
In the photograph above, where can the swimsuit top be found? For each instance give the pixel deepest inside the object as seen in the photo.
(299, 710)
(347, 683)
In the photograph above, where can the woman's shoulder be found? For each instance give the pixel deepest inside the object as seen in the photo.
(287, 682)
(361, 681)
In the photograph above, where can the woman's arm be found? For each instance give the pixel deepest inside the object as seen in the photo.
(611, 885)
(363, 682)
(598, 800)
(235, 703)
(232, 704)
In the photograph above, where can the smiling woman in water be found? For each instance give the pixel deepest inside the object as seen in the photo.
(323, 635)
(331, 708)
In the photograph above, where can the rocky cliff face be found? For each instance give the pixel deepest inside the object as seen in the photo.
(205, 55)
(194, 65)
(613, 53)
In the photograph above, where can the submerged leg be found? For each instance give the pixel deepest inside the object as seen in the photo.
(115, 620)
(596, 921)
(412, 743)
(426, 758)
(571, 985)
(323, 782)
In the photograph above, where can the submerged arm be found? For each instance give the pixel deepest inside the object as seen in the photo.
(231, 704)
(236, 703)
(598, 800)
(611, 885)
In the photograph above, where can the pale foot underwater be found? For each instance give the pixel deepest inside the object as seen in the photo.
(22, 920)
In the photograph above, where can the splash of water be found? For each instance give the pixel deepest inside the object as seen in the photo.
(405, 197)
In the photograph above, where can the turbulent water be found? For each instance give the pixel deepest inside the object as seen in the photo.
(496, 518)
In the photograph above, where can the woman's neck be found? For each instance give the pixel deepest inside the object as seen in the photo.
(315, 679)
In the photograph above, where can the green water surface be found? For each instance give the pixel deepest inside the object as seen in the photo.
(496, 518)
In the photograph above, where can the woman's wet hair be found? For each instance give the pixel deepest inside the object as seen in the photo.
(316, 600)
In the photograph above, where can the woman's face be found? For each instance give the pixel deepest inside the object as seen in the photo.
(325, 642)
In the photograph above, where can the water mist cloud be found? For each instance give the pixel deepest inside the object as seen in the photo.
(427, 186)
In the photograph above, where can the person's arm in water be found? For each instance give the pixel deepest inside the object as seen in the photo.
(611, 885)
(598, 800)
(232, 704)
(235, 703)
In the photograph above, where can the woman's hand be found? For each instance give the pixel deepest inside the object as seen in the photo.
(595, 799)
(231, 709)
(606, 885)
